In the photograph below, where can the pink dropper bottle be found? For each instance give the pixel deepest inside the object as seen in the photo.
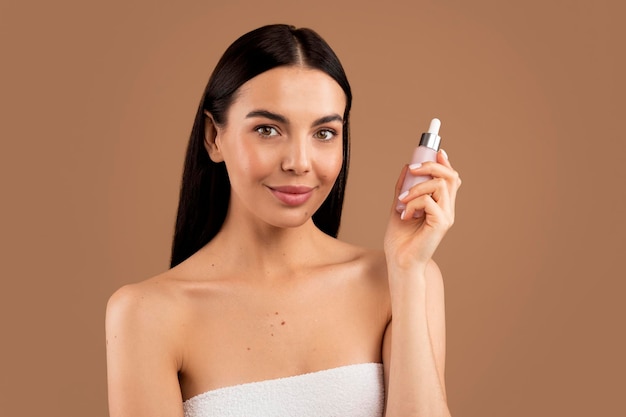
(426, 151)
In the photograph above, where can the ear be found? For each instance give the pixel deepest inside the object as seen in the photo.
(212, 138)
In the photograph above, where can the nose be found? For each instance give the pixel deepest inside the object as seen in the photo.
(297, 156)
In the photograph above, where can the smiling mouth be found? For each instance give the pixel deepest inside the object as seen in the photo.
(292, 195)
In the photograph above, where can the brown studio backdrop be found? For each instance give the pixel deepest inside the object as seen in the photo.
(97, 104)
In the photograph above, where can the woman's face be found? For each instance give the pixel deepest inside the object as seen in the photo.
(282, 144)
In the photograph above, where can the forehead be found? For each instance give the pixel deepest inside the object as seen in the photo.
(292, 90)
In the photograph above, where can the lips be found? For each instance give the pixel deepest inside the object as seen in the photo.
(292, 195)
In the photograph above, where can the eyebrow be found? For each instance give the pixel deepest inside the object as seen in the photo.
(327, 119)
(268, 115)
(282, 119)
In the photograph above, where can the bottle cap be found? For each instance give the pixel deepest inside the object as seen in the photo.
(430, 140)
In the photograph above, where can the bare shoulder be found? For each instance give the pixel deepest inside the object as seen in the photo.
(373, 263)
(143, 297)
(143, 344)
(151, 307)
(370, 264)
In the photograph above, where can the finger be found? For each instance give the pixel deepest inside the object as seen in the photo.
(445, 195)
(400, 180)
(423, 206)
(430, 212)
(437, 189)
(444, 199)
(437, 186)
(415, 208)
(435, 169)
(398, 188)
(442, 158)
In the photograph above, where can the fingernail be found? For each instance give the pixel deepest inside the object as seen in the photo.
(402, 214)
(445, 155)
(415, 166)
(404, 194)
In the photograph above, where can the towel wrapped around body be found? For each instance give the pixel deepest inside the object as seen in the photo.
(346, 391)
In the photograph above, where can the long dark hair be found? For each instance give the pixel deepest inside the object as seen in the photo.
(205, 188)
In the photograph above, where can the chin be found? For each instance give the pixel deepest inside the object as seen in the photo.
(293, 218)
(287, 223)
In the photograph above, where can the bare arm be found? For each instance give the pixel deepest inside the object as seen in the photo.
(414, 346)
(414, 342)
(142, 368)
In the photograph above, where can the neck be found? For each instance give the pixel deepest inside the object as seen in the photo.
(258, 247)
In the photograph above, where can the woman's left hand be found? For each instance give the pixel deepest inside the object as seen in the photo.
(411, 242)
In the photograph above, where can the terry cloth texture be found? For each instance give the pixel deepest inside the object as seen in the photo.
(346, 391)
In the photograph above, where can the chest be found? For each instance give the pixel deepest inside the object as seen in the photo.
(244, 334)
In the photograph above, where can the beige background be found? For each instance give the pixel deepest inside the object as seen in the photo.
(97, 102)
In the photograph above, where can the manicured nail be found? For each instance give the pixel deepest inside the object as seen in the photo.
(404, 194)
(402, 214)
(445, 155)
(415, 166)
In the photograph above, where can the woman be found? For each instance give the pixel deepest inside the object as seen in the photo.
(264, 311)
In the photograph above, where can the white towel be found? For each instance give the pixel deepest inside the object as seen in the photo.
(347, 391)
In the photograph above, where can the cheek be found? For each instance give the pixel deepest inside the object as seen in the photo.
(247, 159)
(258, 161)
(331, 166)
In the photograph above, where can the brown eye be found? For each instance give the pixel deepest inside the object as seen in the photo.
(266, 131)
(325, 134)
